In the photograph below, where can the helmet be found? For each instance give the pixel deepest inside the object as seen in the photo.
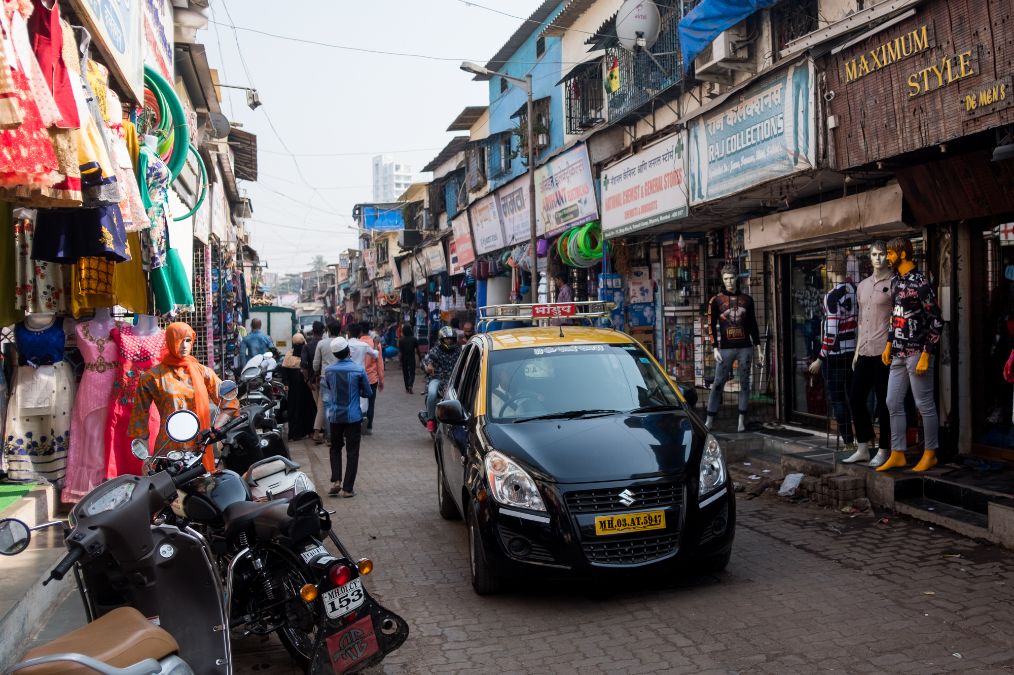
(445, 332)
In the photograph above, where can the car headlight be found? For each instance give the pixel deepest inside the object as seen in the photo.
(510, 484)
(712, 466)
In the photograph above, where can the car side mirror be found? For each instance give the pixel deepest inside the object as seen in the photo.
(689, 393)
(451, 412)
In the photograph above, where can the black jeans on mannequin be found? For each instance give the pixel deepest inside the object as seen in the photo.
(869, 375)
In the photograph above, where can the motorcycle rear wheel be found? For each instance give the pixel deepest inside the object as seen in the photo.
(289, 574)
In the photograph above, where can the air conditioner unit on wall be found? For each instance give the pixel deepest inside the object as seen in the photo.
(728, 52)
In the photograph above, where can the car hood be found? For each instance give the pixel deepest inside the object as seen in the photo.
(613, 447)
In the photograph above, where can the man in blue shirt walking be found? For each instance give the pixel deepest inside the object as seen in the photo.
(256, 342)
(343, 384)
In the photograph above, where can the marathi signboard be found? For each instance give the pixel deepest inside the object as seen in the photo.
(117, 28)
(460, 250)
(646, 189)
(515, 211)
(565, 192)
(768, 133)
(487, 230)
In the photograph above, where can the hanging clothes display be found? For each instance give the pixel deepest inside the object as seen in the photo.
(86, 462)
(137, 353)
(37, 431)
(39, 286)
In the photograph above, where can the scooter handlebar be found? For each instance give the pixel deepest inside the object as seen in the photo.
(65, 565)
(184, 477)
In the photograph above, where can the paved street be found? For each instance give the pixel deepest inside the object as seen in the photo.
(808, 590)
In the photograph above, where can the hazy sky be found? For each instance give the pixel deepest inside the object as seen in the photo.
(347, 104)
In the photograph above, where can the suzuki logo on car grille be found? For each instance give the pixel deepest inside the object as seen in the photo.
(627, 498)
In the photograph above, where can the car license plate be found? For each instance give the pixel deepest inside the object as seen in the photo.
(622, 523)
(342, 600)
(353, 645)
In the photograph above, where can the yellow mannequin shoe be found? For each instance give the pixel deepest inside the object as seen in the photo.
(896, 460)
(928, 461)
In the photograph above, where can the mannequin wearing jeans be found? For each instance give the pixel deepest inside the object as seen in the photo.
(838, 345)
(869, 372)
(916, 327)
(732, 326)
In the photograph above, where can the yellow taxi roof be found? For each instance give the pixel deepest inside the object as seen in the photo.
(541, 336)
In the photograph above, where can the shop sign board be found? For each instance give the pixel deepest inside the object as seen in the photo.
(646, 189)
(565, 192)
(487, 230)
(158, 36)
(433, 257)
(382, 219)
(117, 29)
(516, 212)
(460, 251)
(370, 260)
(768, 133)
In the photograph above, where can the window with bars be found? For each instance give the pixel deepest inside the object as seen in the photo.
(585, 99)
(540, 108)
(793, 20)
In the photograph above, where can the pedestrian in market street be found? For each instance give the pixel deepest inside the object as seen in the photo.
(312, 378)
(408, 348)
(323, 357)
(375, 374)
(256, 342)
(343, 384)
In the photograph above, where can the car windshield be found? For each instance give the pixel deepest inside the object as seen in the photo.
(597, 378)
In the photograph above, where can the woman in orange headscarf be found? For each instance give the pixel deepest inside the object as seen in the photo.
(179, 382)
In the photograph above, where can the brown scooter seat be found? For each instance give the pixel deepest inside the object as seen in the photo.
(120, 638)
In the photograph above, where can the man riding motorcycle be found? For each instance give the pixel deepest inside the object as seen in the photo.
(438, 364)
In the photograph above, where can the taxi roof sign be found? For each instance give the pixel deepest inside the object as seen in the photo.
(591, 309)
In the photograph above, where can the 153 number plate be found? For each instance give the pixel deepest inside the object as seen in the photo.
(340, 601)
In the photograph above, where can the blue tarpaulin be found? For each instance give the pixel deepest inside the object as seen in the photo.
(383, 219)
(704, 22)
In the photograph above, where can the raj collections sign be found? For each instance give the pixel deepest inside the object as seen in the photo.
(646, 189)
(117, 26)
(565, 192)
(769, 133)
(487, 230)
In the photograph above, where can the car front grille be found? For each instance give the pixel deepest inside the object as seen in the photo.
(652, 495)
(631, 550)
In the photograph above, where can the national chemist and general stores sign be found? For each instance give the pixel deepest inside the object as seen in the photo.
(924, 81)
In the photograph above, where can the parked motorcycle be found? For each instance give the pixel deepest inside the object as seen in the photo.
(248, 442)
(278, 574)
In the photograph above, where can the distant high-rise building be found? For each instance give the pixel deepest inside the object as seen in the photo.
(390, 178)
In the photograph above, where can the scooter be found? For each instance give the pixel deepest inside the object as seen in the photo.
(278, 575)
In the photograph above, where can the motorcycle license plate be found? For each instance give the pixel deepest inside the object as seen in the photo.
(340, 601)
(353, 645)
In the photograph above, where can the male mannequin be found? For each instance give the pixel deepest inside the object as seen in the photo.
(916, 327)
(732, 326)
(838, 346)
(869, 371)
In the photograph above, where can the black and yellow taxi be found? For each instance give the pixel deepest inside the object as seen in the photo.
(567, 449)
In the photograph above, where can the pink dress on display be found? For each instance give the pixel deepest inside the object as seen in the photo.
(137, 353)
(86, 458)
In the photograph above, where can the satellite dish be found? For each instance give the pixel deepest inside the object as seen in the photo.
(220, 126)
(638, 24)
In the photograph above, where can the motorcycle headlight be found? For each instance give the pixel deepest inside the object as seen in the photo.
(712, 466)
(109, 500)
(510, 484)
(303, 483)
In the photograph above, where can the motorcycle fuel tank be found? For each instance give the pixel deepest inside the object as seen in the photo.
(208, 496)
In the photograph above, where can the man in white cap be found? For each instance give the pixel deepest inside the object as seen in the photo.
(343, 384)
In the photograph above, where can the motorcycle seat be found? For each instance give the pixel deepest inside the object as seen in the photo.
(120, 638)
(240, 515)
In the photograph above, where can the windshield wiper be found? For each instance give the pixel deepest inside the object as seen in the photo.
(568, 415)
(657, 407)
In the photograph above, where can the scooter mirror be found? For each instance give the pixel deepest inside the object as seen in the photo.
(182, 426)
(139, 448)
(228, 390)
(14, 536)
(249, 373)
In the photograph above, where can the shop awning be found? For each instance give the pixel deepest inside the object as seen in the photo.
(873, 212)
(706, 21)
(581, 69)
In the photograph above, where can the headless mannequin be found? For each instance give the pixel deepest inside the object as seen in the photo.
(730, 282)
(39, 320)
(101, 323)
(146, 324)
(899, 260)
(882, 272)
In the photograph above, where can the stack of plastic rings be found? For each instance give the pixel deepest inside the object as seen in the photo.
(581, 246)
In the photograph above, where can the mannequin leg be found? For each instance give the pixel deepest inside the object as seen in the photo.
(881, 457)
(723, 371)
(923, 391)
(744, 358)
(858, 395)
(897, 388)
(837, 380)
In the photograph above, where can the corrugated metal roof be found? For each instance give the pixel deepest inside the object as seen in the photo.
(456, 145)
(524, 32)
(572, 10)
(244, 153)
(467, 117)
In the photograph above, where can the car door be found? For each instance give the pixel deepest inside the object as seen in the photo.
(454, 445)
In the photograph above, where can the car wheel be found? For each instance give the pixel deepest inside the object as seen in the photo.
(483, 580)
(713, 564)
(445, 503)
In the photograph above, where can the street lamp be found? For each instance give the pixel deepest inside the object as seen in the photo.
(526, 85)
(253, 99)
